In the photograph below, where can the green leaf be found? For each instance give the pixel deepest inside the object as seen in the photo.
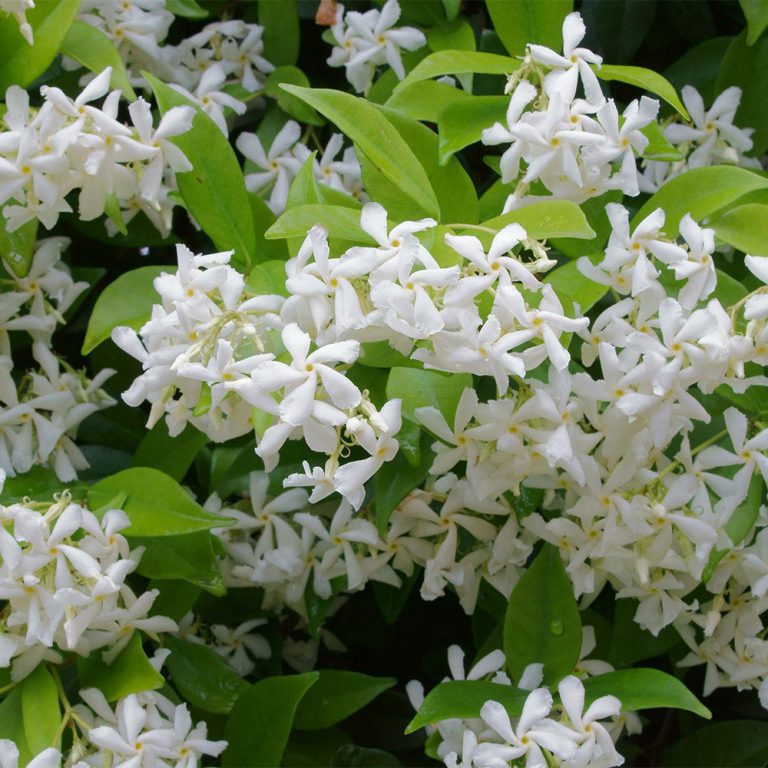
(12, 724)
(740, 66)
(397, 478)
(377, 138)
(631, 643)
(130, 672)
(260, 722)
(18, 248)
(172, 455)
(189, 557)
(156, 504)
(659, 147)
(292, 106)
(542, 623)
(418, 388)
(457, 63)
(126, 301)
(756, 13)
(646, 79)
(39, 484)
(619, 34)
(203, 677)
(281, 31)
(568, 281)
(456, 35)
(313, 749)
(188, 9)
(426, 99)
(335, 696)
(644, 689)
(737, 743)
(23, 63)
(354, 756)
(340, 222)
(95, 51)
(700, 192)
(745, 227)
(267, 278)
(463, 122)
(700, 66)
(176, 598)
(263, 219)
(40, 710)
(529, 21)
(214, 191)
(545, 220)
(465, 699)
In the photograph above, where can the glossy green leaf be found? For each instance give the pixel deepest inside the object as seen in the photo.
(12, 724)
(22, 63)
(631, 643)
(268, 277)
(188, 9)
(176, 597)
(646, 79)
(568, 281)
(454, 35)
(736, 743)
(172, 455)
(542, 623)
(126, 301)
(745, 227)
(130, 672)
(40, 710)
(203, 677)
(335, 696)
(260, 722)
(700, 192)
(340, 222)
(419, 388)
(463, 122)
(456, 63)
(659, 147)
(546, 220)
(426, 99)
(263, 219)
(281, 31)
(465, 699)
(155, 503)
(377, 138)
(17, 248)
(529, 21)
(95, 51)
(291, 105)
(756, 14)
(618, 34)
(642, 688)
(214, 191)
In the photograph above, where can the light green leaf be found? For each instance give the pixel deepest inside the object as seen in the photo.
(529, 21)
(659, 147)
(335, 696)
(465, 699)
(126, 301)
(214, 191)
(745, 227)
(463, 122)
(281, 31)
(40, 710)
(546, 220)
(203, 677)
(95, 51)
(267, 278)
(542, 623)
(646, 79)
(451, 8)
(700, 192)
(18, 248)
(263, 219)
(644, 689)
(292, 106)
(419, 388)
(22, 63)
(457, 63)
(455, 35)
(12, 724)
(131, 672)
(188, 9)
(260, 722)
(156, 504)
(377, 138)
(568, 281)
(426, 99)
(172, 455)
(340, 222)
(736, 743)
(756, 13)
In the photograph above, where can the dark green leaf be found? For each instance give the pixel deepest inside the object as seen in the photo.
(738, 744)
(172, 455)
(40, 710)
(281, 31)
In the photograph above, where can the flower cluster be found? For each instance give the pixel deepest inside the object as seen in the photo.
(577, 148)
(70, 145)
(364, 41)
(63, 582)
(42, 410)
(222, 57)
(710, 139)
(278, 166)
